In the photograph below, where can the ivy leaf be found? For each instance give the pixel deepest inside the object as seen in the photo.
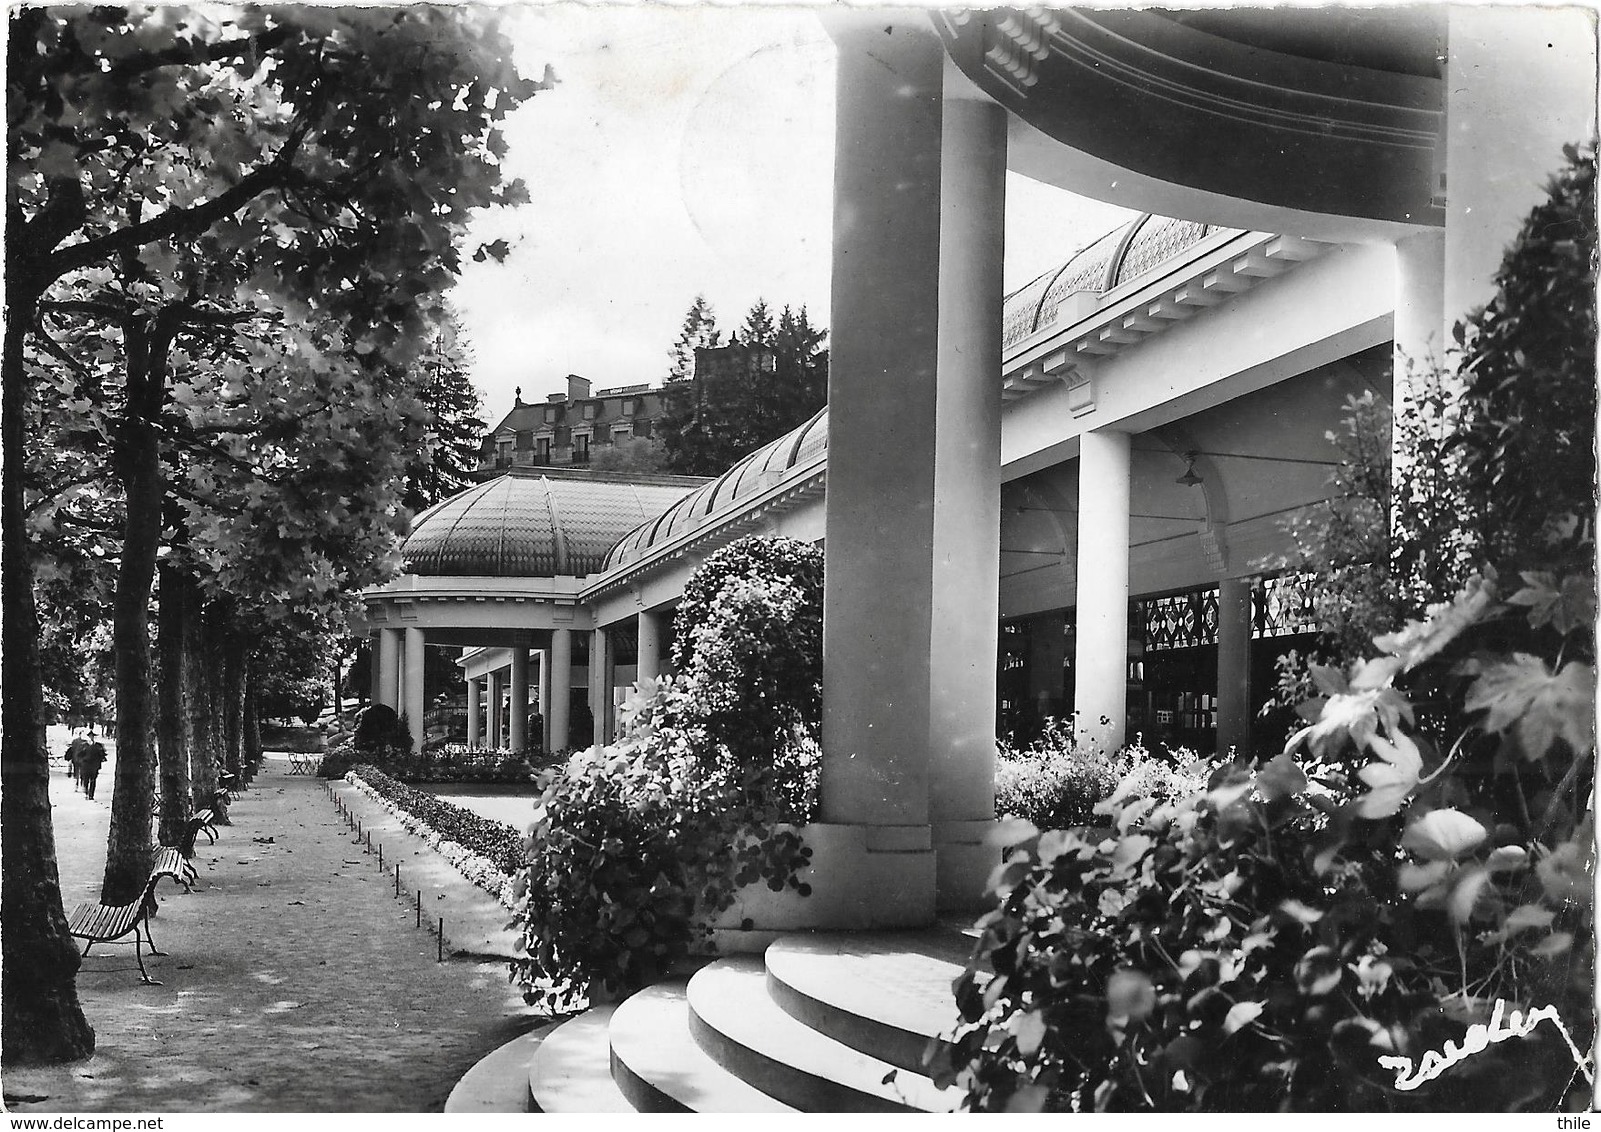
(1540, 706)
(1528, 916)
(1557, 943)
(1565, 607)
(1420, 640)
(1029, 1030)
(1465, 894)
(1130, 996)
(1280, 778)
(1241, 1014)
(1443, 835)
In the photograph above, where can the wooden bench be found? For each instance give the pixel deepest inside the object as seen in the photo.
(108, 923)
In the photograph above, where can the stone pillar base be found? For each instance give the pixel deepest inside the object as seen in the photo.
(963, 865)
(863, 878)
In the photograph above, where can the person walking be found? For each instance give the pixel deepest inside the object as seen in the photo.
(90, 760)
(75, 751)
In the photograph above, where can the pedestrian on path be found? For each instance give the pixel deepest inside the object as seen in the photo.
(90, 760)
(75, 751)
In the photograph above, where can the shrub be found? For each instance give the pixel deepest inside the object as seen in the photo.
(1056, 781)
(636, 847)
(495, 841)
(1353, 925)
(640, 844)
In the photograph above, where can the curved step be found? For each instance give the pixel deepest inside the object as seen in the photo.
(887, 994)
(659, 1068)
(498, 1082)
(734, 1020)
(571, 1069)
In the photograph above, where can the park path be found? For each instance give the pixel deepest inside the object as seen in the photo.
(295, 980)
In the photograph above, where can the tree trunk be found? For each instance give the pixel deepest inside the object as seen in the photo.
(172, 731)
(233, 705)
(137, 460)
(41, 1019)
(252, 740)
(197, 702)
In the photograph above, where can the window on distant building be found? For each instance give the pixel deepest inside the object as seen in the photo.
(590, 408)
(581, 448)
(542, 450)
(503, 450)
(628, 406)
(552, 414)
(620, 433)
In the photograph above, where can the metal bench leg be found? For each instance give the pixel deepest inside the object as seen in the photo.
(144, 976)
(150, 939)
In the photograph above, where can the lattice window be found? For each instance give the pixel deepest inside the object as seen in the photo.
(1179, 621)
(1283, 606)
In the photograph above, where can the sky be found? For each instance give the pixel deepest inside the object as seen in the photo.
(683, 151)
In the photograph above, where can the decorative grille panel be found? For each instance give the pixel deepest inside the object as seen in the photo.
(1283, 606)
(1179, 621)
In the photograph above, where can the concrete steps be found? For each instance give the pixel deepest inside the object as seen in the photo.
(824, 1022)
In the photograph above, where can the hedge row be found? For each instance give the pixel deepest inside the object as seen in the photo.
(495, 841)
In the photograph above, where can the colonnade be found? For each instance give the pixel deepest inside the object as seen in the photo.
(498, 701)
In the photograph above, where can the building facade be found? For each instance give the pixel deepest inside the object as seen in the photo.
(567, 429)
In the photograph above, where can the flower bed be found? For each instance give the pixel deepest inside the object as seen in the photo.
(488, 853)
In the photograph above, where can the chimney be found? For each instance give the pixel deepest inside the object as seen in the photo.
(577, 388)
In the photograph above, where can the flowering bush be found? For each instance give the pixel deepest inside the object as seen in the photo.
(635, 848)
(496, 842)
(639, 845)
(1056, 781)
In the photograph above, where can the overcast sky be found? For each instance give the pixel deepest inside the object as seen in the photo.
(683, 151)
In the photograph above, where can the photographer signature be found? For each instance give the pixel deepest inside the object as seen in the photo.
(1479, 1038)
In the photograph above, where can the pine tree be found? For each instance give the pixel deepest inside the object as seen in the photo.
(446, 465)
(700, 329)
(758, 328)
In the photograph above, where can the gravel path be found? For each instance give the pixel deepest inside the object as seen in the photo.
(295, 980)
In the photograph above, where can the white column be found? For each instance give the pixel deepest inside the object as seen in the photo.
(650, 646)
(1520, 83)
(1100, 660)
(519, 699)
(600, 684)
(878, 584)
(965, 615)
(1234, 665)
(388, 691)
(375, 681)
(561, 682)
(544, 699)
(496, 694)
(475, 707)
(415, 702)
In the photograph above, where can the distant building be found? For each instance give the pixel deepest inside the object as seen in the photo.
(565, 430)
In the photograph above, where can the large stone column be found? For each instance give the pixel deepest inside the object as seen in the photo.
(650, 646)
(1100, 659)
(388, 687)
(561, 682)
(475, 707)
(544, 699)
(1234, 665)
(375, 679)
(519, 699)
(965, 616)
(496, 694)
(600, 657)
(1520, 83)
(416, 705)
(878, 587)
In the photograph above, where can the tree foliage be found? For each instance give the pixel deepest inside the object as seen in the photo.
(773, 378)
(228, 229)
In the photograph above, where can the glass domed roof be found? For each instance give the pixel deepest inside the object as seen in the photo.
(528, 523)
(1120, 256)
(763, 468)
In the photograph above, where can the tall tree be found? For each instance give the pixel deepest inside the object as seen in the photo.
(175, 176)
(752, 393)
(453, 403)
(700, 329)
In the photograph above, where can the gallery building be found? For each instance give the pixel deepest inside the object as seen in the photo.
(1071, 497)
